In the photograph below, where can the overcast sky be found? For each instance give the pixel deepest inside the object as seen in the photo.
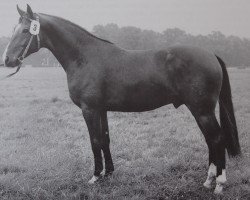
(231, 17)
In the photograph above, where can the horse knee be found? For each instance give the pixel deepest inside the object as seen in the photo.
(96, 145)
(204, 120)
(218, 140)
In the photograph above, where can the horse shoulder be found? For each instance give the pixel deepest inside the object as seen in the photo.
(85, 86)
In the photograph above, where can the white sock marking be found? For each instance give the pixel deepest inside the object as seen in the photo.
(212, 171)
(220, 180)
(93, 180)
(210, 175)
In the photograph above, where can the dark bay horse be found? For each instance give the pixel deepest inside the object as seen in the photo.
(103, 77)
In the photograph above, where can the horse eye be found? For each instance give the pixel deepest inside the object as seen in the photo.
(25, 30)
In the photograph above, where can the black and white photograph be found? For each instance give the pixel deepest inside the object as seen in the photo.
(125, 100)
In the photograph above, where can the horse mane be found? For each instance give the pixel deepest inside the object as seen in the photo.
(78, 27)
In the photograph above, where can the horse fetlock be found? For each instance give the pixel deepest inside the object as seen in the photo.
(210, 176)
(220, 182)
(109, 167)
(93, 179)
(208, 183)
(218, 189)
(106, 173)
(212, 171)
(109, 172)
(221, 179)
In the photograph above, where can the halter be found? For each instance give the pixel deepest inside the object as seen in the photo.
(33, 34)
(20, 59)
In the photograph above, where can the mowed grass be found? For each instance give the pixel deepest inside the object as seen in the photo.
(45, 151)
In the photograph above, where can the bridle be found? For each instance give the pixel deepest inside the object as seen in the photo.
(20, 58)
(26, 49)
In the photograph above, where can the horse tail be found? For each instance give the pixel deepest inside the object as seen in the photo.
(227, 118)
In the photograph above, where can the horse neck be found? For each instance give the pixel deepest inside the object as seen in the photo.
(68, 42)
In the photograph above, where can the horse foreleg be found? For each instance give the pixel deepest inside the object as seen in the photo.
(93, 121)
(109, 167)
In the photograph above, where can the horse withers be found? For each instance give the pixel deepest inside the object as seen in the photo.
(103, 77)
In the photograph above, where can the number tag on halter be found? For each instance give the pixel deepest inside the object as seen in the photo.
(34, 27)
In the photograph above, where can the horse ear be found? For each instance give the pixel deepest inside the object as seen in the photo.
(30, 12)
(21, 12)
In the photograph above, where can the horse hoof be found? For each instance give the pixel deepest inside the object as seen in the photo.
(218, 189)
(93, 180)
(109, 173)
(106, 173)
(207, 184)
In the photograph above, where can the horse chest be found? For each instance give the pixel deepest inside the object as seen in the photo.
(83, 91)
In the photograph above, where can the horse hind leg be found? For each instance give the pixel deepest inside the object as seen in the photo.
(211, 174)
(212, 171)
(216, 143)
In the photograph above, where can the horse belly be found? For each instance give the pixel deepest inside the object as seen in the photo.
(140, 98)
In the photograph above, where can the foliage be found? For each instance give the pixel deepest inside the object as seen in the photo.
(234, 50)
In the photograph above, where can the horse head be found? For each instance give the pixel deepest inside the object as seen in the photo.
(25, 39)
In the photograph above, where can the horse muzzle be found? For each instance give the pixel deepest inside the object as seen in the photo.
(8, 62)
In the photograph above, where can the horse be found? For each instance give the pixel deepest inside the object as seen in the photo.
(103, 77)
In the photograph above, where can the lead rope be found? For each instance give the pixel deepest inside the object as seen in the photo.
(18, 68)
(20, 59)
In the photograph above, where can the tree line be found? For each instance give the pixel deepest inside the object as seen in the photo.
(235, 51)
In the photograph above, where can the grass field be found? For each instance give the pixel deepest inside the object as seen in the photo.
(45, 150)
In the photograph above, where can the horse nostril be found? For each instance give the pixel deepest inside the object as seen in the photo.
(6, 59)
